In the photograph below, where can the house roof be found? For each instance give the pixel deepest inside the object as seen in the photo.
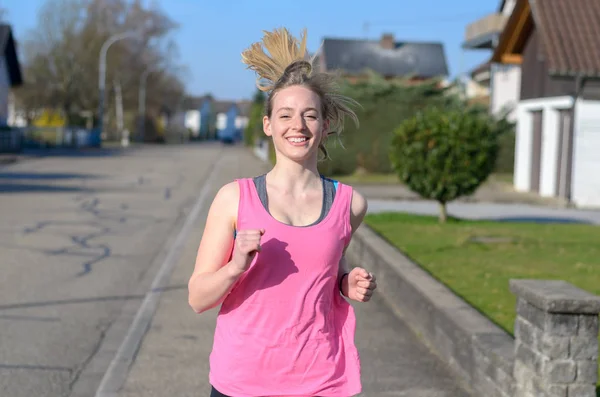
(244, 107)
(406, 58)
(192, 102)
(8, 48)
(222, 106)
(514, 36)
(481, 68)
(569, 31)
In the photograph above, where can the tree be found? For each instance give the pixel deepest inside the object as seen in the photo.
(61, 57)
(445, 153)
(255, 127)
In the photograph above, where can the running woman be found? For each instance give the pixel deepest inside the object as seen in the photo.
(272, 252)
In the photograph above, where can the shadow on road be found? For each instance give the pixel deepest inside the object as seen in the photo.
(45, 175)
(77, 152)
(13, 182)
(31, 188)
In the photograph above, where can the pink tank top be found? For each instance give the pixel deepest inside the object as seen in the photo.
(284, 329)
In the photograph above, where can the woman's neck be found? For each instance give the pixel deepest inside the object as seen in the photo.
(292, 176)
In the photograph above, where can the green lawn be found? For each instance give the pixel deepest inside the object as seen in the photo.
(479, 272)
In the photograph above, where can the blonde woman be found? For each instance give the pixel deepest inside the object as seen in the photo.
(272, 252)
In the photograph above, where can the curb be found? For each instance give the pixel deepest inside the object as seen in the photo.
(479, 352)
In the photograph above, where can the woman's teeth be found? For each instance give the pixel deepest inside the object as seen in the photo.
(297, 140)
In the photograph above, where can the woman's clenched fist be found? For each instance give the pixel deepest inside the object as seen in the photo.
(246, 246)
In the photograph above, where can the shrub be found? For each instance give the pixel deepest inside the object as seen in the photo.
(506, 153)
(342, 160)
(254, 129)
(445, 154)
(384, 105)
(506, 132)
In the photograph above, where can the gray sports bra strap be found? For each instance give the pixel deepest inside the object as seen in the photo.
(328, 195)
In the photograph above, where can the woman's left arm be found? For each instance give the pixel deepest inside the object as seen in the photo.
(357, 284)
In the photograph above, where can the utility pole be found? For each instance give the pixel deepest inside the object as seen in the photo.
(142, 103)
(119, 110)
(102, 72)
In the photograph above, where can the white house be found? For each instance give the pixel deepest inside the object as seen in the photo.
(192, 122)
(498, 85)
(10, 70)
(505, 79)
(558, 114)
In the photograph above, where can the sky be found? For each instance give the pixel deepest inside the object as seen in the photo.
(212, 34)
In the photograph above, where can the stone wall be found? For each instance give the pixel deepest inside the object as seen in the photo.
(556, 344)
(554, 352)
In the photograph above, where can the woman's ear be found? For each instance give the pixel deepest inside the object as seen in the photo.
(325, 132)
(267, 126)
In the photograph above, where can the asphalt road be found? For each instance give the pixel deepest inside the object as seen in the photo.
(95, 252)
(77, 236)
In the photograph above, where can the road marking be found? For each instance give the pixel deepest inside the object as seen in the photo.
(119, 367)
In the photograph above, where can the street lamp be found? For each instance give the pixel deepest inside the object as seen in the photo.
(102, 71)
(142, 101)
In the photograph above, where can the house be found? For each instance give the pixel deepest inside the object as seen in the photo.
(206, 119)
(478, 86)
(241, 120)
(197, 116)
(387, 57)
(495, 84)
(202, 118)
(193, 119)
(226, 114)
(556, 43)
(10, 70)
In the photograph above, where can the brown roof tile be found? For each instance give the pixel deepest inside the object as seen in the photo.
(571, 33)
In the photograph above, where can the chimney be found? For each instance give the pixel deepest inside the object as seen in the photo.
(387, 41)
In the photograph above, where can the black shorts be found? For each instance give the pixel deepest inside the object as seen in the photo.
(215, 393)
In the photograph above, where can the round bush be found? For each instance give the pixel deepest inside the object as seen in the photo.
(443, 154)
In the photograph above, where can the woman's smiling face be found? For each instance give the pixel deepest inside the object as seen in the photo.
(296, 123)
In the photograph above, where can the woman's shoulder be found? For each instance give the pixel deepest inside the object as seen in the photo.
(358, 204)
(357, 197)
(227, 197)
(229, 193)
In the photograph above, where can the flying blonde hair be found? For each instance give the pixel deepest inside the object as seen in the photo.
(286, 63)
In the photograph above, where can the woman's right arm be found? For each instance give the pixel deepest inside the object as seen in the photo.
(214, 274)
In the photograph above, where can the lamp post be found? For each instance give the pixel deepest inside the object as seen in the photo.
(102, 72)
(142, 102)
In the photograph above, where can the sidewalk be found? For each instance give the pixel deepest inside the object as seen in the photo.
(173, 357)
(8, 158)
(491, 192)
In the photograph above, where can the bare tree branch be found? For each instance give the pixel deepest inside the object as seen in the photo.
(61, 56)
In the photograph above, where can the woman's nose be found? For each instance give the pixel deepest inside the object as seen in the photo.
(298, 123)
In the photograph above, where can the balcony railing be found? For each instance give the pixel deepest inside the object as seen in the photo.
(485, 27)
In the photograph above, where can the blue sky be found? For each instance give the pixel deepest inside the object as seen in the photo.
(212, 34)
